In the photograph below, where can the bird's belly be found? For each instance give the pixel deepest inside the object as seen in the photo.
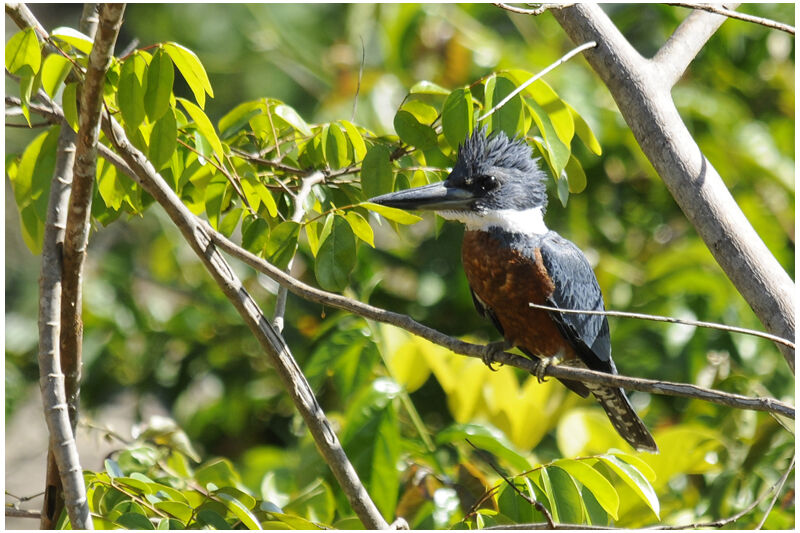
(506, 281)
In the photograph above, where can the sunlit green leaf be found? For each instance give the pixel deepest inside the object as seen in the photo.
(240, 510)
(356, 140)
(584, 132)
(559, 152)
(282, 243)
(23, 50)
(163, 140)
(391, 213)
(69, 99)
(376, 172)
(192, 70)
(423, 112)
(360, 227)
(567, 497)
(507, 118)
(576, 177)
(204, 126)
(73, 37)
(130, 95)
(594, 481)
(54, 72)
(160, 77)
(635, 480)
(335, 146)
(428, 87)
(293, 118)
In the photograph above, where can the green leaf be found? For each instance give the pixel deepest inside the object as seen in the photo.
(336, 257)
(213, 519)
(457, 117)
(69, 98)
(293, 118)
(23, 50)
(214, 198)
(237, 118)
(130, 95)
(134, 521)
(282, 243)
(360, 227)
(594, 481)
(255, 234)
(567, 497)
(635, 480)
(556, 109)
(160, 78)
(192, 70)
(230, 221)
(356, 140)
(576, 177)
(412, 132)
(334, 146)
(54, 72)
(26, 81)
(376, 172)
(562, 189)
(240, 510)
(507, 118)
(584, 132)
(424, 113)
(204, 126)
(113, 469)
(391, 213)
(163, 140)
(74, 38)
(219, 472)
(547, 488)
(559, 152)
(486, 438)
(428, 87)
(111, 190)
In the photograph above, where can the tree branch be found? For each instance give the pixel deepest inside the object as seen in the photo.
(299, 210)
(196, 232)
(730, 13)
(645, 102)
(674, 57)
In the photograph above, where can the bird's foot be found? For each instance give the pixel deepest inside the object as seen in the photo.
(490, 352)
(544, 362)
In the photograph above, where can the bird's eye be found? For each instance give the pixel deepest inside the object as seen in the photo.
(487, 183)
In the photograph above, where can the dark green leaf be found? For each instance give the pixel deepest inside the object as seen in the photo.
(282, 243)
(412, 132)
(134, 521)
(567, 497)
(255, 234)
(376, 172)
(213, 519)
(457, 117)
(485, 438)
(160, 77)
(163, 140)
(130, 94)
(192, 70)
(335, 146)
(336, 257)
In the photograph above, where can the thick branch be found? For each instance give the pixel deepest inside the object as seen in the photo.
(197, 235)
(685, 43)
(50, 323)
(643, 98)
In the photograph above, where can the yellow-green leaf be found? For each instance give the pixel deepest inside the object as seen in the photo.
(204, 126)
(23, 50)
(160, 78)
(391, 213)
(130, 94)
(635, 480)
(584, 132)
(360, 227)
(600, 487)
(54, 72)
(192, 70)
(73, 37)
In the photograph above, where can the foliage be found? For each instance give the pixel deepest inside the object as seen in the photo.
(406, 409)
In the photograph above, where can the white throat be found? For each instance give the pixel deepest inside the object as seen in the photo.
(527, 222)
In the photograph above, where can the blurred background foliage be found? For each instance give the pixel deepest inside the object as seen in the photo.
(156, 324)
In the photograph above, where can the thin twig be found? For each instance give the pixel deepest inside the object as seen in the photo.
(566, 57)
(360, 74)
(673, 320)
(535, 11)
(533, 501)
(730, 13)
(13, 512)
(778, 489)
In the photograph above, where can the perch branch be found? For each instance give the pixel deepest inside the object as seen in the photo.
(407, 323)
(672, 320)
(730, 13)
(644, 100)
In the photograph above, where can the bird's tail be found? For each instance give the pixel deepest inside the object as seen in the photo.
(624, 419)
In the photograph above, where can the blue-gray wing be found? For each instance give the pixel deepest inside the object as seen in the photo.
(576, 287)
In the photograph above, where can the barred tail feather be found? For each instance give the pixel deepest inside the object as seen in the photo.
(624, 419)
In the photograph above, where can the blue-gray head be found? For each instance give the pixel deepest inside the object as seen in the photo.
(495, 182)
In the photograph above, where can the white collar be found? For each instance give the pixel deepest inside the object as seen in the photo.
(527, 222)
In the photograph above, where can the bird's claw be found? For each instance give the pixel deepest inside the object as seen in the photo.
(543, 363)
(489, 356)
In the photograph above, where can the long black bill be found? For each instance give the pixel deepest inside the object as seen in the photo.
(435, 197)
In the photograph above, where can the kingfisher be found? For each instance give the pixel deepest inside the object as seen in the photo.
(511, 259)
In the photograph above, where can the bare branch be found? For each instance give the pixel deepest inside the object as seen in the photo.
(13, 512)
(536, 11)
(672, 320)
(90, 18)
(566, 57)
(197, 235)
(778, 487)
(23, 18)
(299, 210)
(730, 13)
(646, 104)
